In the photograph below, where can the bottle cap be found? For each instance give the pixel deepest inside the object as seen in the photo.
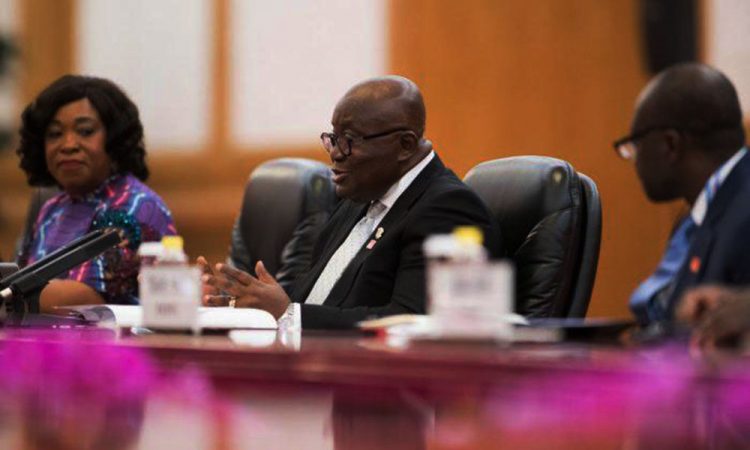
(468, 234)
(440, 246)
(172, 242)
(150, 249)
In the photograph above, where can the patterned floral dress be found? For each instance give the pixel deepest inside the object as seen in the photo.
(122, 202)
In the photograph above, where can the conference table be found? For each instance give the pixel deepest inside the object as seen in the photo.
(352, 390)
(342, 390)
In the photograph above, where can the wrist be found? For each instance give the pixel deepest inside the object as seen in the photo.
(282, 308)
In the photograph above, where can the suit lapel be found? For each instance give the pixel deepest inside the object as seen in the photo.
(412, 193)
(728, 191)
(700, 248)
(351, 215)
(697, 257)
(343, 286)
(692, 270)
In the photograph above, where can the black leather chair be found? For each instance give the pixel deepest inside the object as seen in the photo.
(550, 219)
(39, 197)
(286, 203)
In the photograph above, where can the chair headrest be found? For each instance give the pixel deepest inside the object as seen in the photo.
(278, 194)
(521, 191)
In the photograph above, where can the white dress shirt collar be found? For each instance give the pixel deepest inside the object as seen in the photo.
(700, 207)
(398, 188)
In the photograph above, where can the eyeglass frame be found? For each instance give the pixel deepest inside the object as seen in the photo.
(631, 138)
(334, 138)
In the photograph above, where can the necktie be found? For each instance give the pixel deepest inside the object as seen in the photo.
(644, 302)
(344, 255)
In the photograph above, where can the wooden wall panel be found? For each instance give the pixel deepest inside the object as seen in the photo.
(548, 77)
(45, 43)
(47, 33)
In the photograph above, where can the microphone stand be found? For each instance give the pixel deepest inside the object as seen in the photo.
(20, 291)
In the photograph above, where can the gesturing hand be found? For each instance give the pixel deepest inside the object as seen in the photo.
(250, 292)
(719, 315)
(208, 290)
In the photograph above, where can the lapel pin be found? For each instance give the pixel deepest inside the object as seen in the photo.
(379, 233)
(695, 264)
(371, 244)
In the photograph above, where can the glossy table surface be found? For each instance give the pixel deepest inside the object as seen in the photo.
(350, 390)
(365, 359)
(381, 393)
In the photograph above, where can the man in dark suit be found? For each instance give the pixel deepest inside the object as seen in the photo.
(687, 140)
(368, 261)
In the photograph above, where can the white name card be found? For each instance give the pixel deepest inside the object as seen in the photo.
(471, 299)
(170, 296)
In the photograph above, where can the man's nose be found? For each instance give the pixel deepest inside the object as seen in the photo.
(336, 153)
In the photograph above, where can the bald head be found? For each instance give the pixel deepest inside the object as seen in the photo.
(396, 96)
(687, 123)
(696, 99)
(379, 130)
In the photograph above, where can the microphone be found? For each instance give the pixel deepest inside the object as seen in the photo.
(5, 282)
(30, 281)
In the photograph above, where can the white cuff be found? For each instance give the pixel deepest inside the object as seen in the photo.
(292, 318)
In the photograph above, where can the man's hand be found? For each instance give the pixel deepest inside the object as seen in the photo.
(207, 290)
(719, 315)
(250, 292)
(698, 302)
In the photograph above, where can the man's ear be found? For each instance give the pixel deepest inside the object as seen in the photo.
(409, 143)
(675, 144)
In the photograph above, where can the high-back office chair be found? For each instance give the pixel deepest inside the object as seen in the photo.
(550, 219)
(286, 203)
(39, 197)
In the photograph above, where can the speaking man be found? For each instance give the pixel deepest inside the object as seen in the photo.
(368, 261)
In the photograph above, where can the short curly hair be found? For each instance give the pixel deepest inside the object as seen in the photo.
(124, 131)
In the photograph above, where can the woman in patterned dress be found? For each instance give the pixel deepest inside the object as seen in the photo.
(84, 135)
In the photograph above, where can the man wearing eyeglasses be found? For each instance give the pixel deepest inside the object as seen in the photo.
(688, 142)
(396, 192)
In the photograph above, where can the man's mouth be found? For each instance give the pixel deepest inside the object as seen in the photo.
(338, 175)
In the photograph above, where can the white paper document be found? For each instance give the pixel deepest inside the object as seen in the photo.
(211, 318)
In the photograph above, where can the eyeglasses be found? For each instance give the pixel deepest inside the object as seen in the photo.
(625, 146)
(626, 149)
(331, 140)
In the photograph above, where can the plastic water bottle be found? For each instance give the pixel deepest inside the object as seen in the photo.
(170, 288)
(149, 253)
(468, 296)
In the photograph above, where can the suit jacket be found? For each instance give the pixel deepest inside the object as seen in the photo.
(389, 278)
(720, 248)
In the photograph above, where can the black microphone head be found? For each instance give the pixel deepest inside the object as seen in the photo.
(7, 279)
(70, 256)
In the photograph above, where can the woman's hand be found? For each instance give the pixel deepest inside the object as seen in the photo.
(67, 293)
